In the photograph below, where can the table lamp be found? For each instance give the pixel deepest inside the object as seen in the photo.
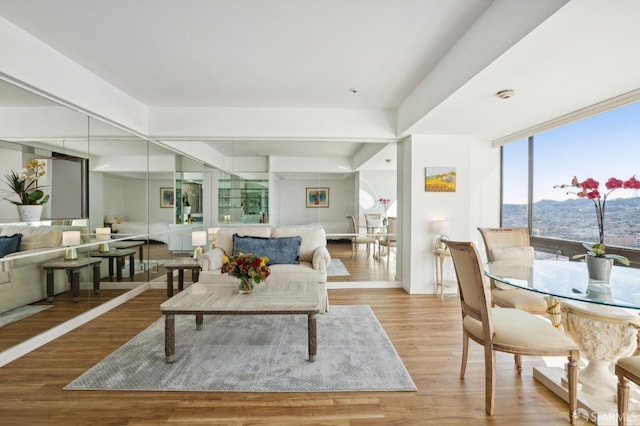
(198, 239)
(103, 234)
(71, 239)
(212, 233)
(439, 227)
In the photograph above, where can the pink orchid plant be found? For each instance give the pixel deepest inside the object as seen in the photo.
(589, 188)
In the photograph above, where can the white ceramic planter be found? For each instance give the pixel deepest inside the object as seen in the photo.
(30, 212)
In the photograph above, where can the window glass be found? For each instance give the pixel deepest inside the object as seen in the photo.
(514, 184)
(598, 147)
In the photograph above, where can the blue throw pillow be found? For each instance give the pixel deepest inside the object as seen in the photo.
(285, 250)
(10, 244)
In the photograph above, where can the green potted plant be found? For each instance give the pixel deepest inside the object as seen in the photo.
(31, 198)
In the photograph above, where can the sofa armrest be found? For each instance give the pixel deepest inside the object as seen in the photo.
(211, 260)
(321, 258)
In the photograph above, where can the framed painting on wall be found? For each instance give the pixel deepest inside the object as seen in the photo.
(440, 179)
(317, 197)
(166, 197)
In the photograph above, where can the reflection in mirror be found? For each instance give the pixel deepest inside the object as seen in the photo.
(291, 170)
(37, 285)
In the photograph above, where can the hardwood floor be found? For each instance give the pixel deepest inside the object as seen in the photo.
(425, 332)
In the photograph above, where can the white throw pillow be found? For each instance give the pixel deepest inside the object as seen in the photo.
(211, 260)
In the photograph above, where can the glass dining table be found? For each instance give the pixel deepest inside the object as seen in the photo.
(601, 317)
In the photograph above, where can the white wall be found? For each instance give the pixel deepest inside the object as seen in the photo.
(475, 202)
(379, 184)
(157, 213)
(291, 203)
(10, 160)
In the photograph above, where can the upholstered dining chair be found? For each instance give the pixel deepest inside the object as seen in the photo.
(504, 329)
(373, 222)
(357, 239)
(511, 244)
(389, 239)
(627, 369)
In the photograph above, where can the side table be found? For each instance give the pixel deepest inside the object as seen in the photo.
(129, 244)
(118, 256)
(441, 283)
(181, 264)
(73, 267)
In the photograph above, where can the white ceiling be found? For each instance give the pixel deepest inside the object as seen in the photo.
(309, 53)
(275, 53)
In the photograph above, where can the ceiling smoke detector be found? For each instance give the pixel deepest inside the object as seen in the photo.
(505, 94)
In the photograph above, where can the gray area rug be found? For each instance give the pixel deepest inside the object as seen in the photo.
(22, 312)
(337, 269)
(261, 353)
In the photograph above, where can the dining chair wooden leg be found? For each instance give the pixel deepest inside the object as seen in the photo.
(489, 378)
(465, 352)
(518, 360)
(572, 378)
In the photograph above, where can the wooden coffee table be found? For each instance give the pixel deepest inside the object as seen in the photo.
(269, 298)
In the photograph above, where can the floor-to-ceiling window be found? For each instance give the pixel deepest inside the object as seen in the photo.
(600, 147)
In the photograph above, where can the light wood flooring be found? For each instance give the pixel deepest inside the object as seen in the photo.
(425, 332)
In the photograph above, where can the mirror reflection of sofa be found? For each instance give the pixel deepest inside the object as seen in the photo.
(311, 265)
(22, 280)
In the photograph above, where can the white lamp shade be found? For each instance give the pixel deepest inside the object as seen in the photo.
(70, 238)
(212, 233)
(103, 234)
(439, 226)
(199, 238)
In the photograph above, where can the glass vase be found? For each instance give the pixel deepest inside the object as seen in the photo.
(246, 286)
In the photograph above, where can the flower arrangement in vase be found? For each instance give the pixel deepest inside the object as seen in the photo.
(249, 268)
(385, 205)
(589, 189)
(25, 186)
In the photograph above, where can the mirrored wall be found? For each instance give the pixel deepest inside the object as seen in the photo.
(104, 216)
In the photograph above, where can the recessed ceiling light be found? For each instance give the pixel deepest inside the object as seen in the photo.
(354, 90)
(505, 94)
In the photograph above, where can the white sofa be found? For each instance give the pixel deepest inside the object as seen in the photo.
(314, 256)
(22, 280)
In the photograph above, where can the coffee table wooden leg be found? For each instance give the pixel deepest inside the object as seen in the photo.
(180, 279)
(111, 269)
(49, 285)
(96, 278)
(169, 282)
(132, 266)
(199, 320)
(313, 342)
(195, 274)
(169, 337)
(75, 284)
(120, 267)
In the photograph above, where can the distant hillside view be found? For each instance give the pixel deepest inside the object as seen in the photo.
(575, 220)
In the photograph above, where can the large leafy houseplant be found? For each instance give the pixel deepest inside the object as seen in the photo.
(589, 189)
(25, 185)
